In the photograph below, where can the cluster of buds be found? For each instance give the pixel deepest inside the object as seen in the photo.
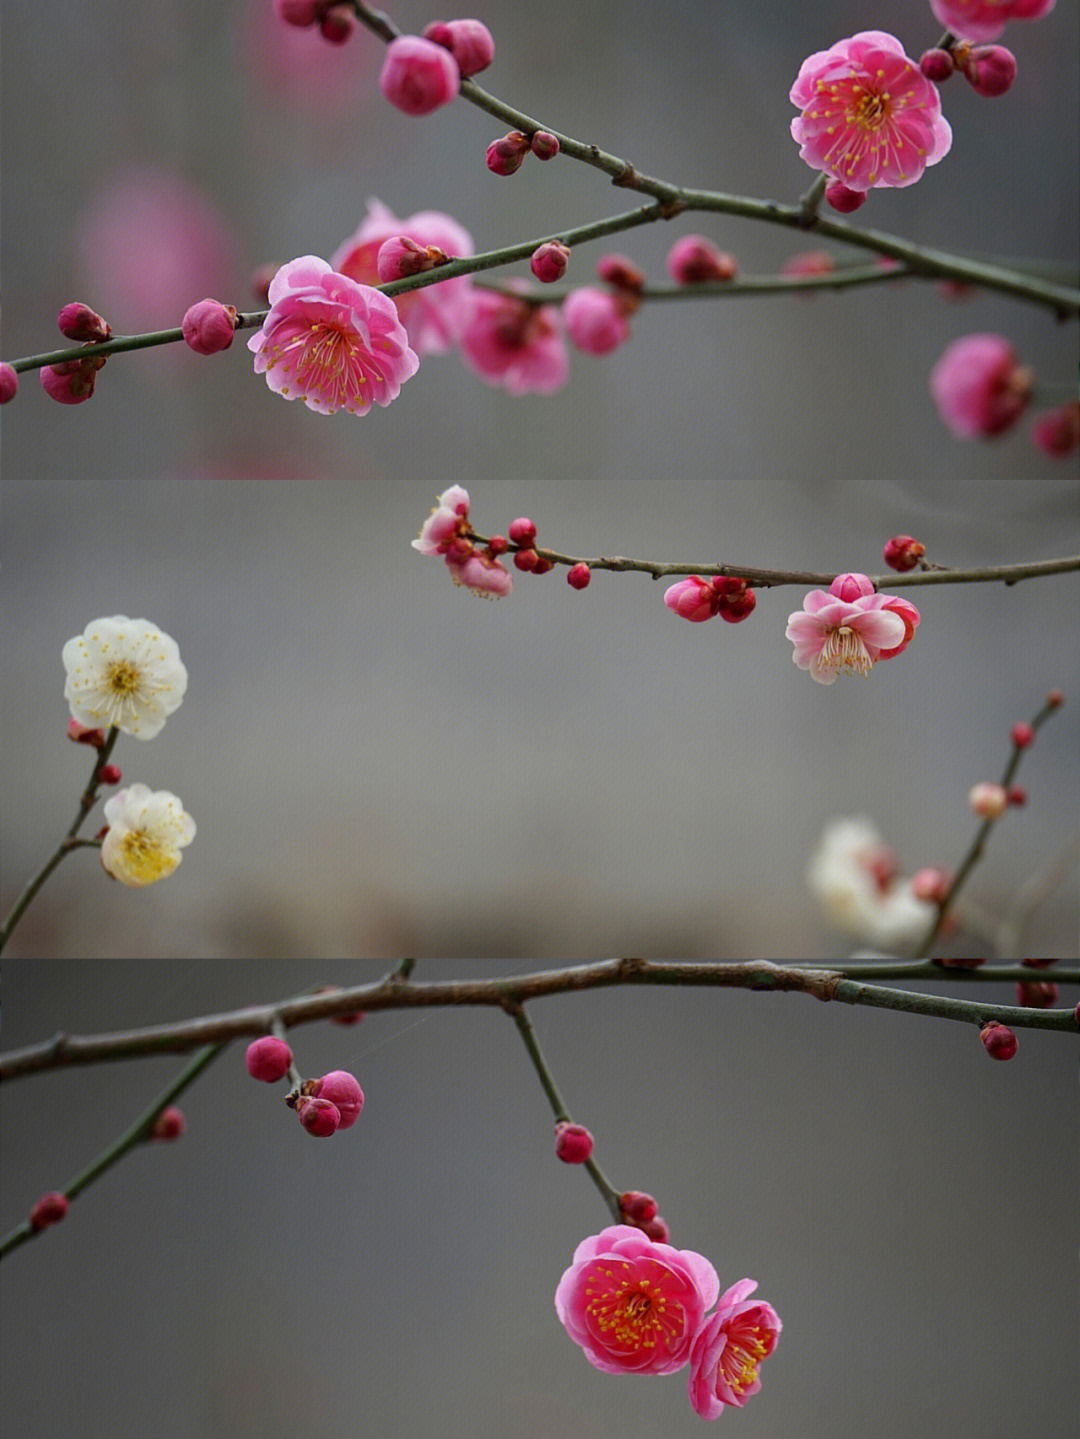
(335, 21)
(72, 381)
(989, 69)
(448, 532)
(697, 599)
(506, 155)
(422, 72)
(640, 1210)
(522, 534)
(323, 1105)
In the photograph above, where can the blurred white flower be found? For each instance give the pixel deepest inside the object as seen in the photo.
(147, 830)
(125, 673)
(853, 873)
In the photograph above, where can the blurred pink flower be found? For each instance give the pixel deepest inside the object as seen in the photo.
(986, 19)
(433, 317)
(515, 344)
(869, 116)
(979, 386)
(481, 572)
(447, 523)
(149, 244)
(297, 69)
(331, 342)
(831, 634)
(595, 320)
(728, 1349)
(633, 1305)
(1057, 432)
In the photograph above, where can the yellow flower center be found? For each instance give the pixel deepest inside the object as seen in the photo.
(122, 679)
(743, 1353)
(146, 859)
(870, 110)
(631, 1310)
(844, 650)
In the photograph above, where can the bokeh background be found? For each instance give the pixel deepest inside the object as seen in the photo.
(907, 1205)
(381, 764)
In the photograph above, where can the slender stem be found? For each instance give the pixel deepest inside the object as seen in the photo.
(762, 579)
(390, 993)
(66, 845)
(978, 844)
(547, 1080)
(138, 1132)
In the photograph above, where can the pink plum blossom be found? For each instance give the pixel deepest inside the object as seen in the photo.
(986, 19)
(979, 386)
(831, 633)
(633, 1305)
(481, 572)
(447, 523)
(434, 317)
(728, 1350)
(446, 532)
(331, 342)
(869, 116)
(595, 320)
(515, 344)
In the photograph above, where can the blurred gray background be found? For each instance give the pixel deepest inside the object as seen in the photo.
(908, 1206)
(377, 762)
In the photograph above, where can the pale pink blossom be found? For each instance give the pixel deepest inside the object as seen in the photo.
(435, 316)
(331, 342)
(988, 800)
(447, 523)
(728, 1350)
(293, 69)
(446, 532)
(855, 877)
(986, 19)
(515, 344)
(595, 320)
(633, 1305)
(979, 386)
(831, 634)
(481, 572)
(869, 116)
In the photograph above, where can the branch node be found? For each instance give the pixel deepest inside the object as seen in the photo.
(627, 177)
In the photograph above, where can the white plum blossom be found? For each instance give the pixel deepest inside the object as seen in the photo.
(853, 874)
(125, 673)
(147, 830)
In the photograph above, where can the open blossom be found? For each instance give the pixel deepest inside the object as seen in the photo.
(633, 1305)
(435, 316)
(446, 532)
(125, 673)
(515, 344)
(147, 830)
(979, 386)
(331, 342)
(986, 19)
(728, 1350)
(854, 875)
(849, 627)
(869, 116)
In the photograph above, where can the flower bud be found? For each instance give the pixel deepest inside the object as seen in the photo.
(336, 26)
(987, 800)
(542, 565)
(522, 531)
(209, 326)
(400, 257)
(1055, 699)
(549, 261)
(657, 1229)
(343, 1092)
(544, 145)
(78, 322)
(9, 383)
(990, 69)
(930, 884)
(573, 1142)
(637, 1207)
(268, 1059)
(505, 156)
(318, 1116)
(526, 560)
(844, 200)
(737, 599)
(1057, 432)
(937, 65)
(1023, 734)
(694, 260)
(1016, 795)
(169, 1125)
(578, 576)
(469, 41)
(110, 774)
(903, 553)
(299, 12)
(1040, 995)
(72, 381)
(418, 76)
(49, 1209)
(1038, 963)
(620, 272)
(85, 734)
(998, 1041)
(595, 320)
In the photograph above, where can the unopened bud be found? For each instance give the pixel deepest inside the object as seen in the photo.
(336, 26)
(169, 1125)
(578, 576)
(573, 1142)
(549, 261)
(110, 774)
(78, 322)
(998, 1041)
(469, 41)
(318, 1116)
(268, 1059)
(990, 70)
(621, 272)
(1040, 995)
(937, 65)
(9, 383)
(522, 531)
(544, 145)
(844, 200)
(987, 800)
(49, 1209)
(209, 326)
(695, 260)
(903, 553)
(505, 156)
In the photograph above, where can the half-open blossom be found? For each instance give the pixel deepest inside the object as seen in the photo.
(447, 524)
(435, 316)
(446, 532)
(513, 343)
(125, 673)
(854, 875)
(633, 1305)
(979, 386)
(147, 830)
(728, 1350)
(869, 116)
(831, 633)
(331, 342)
(986, 19)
